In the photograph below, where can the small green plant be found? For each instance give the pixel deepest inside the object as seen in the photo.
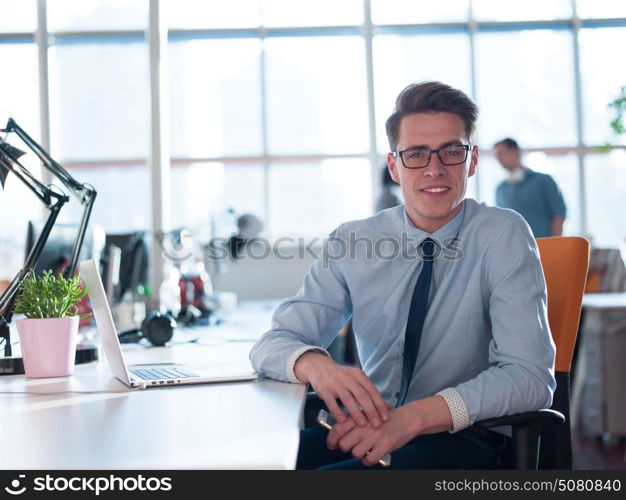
(618, 105)
(48, 296)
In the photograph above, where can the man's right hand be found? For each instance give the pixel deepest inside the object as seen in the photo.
(332, 381)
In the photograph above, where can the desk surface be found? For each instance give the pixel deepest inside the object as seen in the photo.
(605, 300)
(222, 426)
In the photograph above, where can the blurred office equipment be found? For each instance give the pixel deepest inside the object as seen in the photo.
(124, 268)
(125, 264)
(607, 272)
(387, 197)
(248, 227)
(57, 252)
(600, 406)
(10, 163)
(196, 294)
(230, 236)
(125, 274)
(186, 286)
(218, 244)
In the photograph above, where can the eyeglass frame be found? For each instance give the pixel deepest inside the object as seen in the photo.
(467, 147)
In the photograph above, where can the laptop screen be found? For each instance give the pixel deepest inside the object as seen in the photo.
(104, 320)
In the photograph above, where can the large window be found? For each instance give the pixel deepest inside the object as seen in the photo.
(525, 87)
(606, 191)
(215, 88)
(405, 12)
(19, 86)
(601, 80)
(99, 106)
(18, 17)
(331, 192)
(277, 107)
(19, 91)
(316, 95)
(96, 15)
(535, 10)
(99, 98)
(205, 193)
(401, 58)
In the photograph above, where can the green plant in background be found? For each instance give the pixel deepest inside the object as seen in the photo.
(618, 105)
(617, 124)
(48, 296)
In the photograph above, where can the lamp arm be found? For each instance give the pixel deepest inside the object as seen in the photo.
(84, 192)
(82, 229)
(8, 297)
(51, 199)
(11, 164)
(9, 161)
(81, 191)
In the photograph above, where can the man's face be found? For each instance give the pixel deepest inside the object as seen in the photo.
(434, 194)
(509, 158)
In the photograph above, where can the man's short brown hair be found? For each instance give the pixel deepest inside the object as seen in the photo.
(431, 97)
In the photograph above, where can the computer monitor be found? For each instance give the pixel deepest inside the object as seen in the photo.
(57, 252)
(133, 265)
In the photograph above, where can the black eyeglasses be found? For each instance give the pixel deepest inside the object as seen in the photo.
(420, 157)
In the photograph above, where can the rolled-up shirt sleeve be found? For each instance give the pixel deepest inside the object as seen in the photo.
(308, 321)
(521, 353)
(458, 410)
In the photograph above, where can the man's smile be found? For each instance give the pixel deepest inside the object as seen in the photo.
(435, 189)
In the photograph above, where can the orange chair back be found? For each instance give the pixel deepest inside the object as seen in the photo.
(565, 261)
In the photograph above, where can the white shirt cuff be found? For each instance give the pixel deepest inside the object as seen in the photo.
(458, 410)
(291, 361)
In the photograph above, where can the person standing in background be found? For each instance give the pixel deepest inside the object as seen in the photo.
(535, 196)
(387, 198)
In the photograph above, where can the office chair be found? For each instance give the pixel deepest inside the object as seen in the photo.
(542, 439)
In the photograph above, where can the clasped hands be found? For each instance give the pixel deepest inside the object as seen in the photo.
(370, 428)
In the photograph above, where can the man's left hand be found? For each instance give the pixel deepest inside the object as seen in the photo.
(369, 444)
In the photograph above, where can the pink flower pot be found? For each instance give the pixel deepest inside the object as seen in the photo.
(48, 346)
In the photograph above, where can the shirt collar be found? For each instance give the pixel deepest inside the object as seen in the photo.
(451, 229)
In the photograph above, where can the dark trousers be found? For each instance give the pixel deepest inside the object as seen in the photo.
(463, 450)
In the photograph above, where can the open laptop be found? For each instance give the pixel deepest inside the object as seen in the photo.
(155, 375)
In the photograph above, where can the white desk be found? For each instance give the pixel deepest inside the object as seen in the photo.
(598, 401)
(605, 300)
(220, 426)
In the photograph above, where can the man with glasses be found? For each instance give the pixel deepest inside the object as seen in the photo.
(448, 306)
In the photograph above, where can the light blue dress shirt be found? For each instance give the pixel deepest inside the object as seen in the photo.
(485, 336)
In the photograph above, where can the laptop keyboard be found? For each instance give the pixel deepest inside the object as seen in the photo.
(161, 373)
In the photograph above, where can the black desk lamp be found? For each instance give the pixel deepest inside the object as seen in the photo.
(53, 201)
(85, 193)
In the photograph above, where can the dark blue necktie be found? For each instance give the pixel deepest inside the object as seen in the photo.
(417, 313)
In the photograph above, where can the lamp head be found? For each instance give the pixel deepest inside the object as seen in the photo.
(8, 153)
(11, 150)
